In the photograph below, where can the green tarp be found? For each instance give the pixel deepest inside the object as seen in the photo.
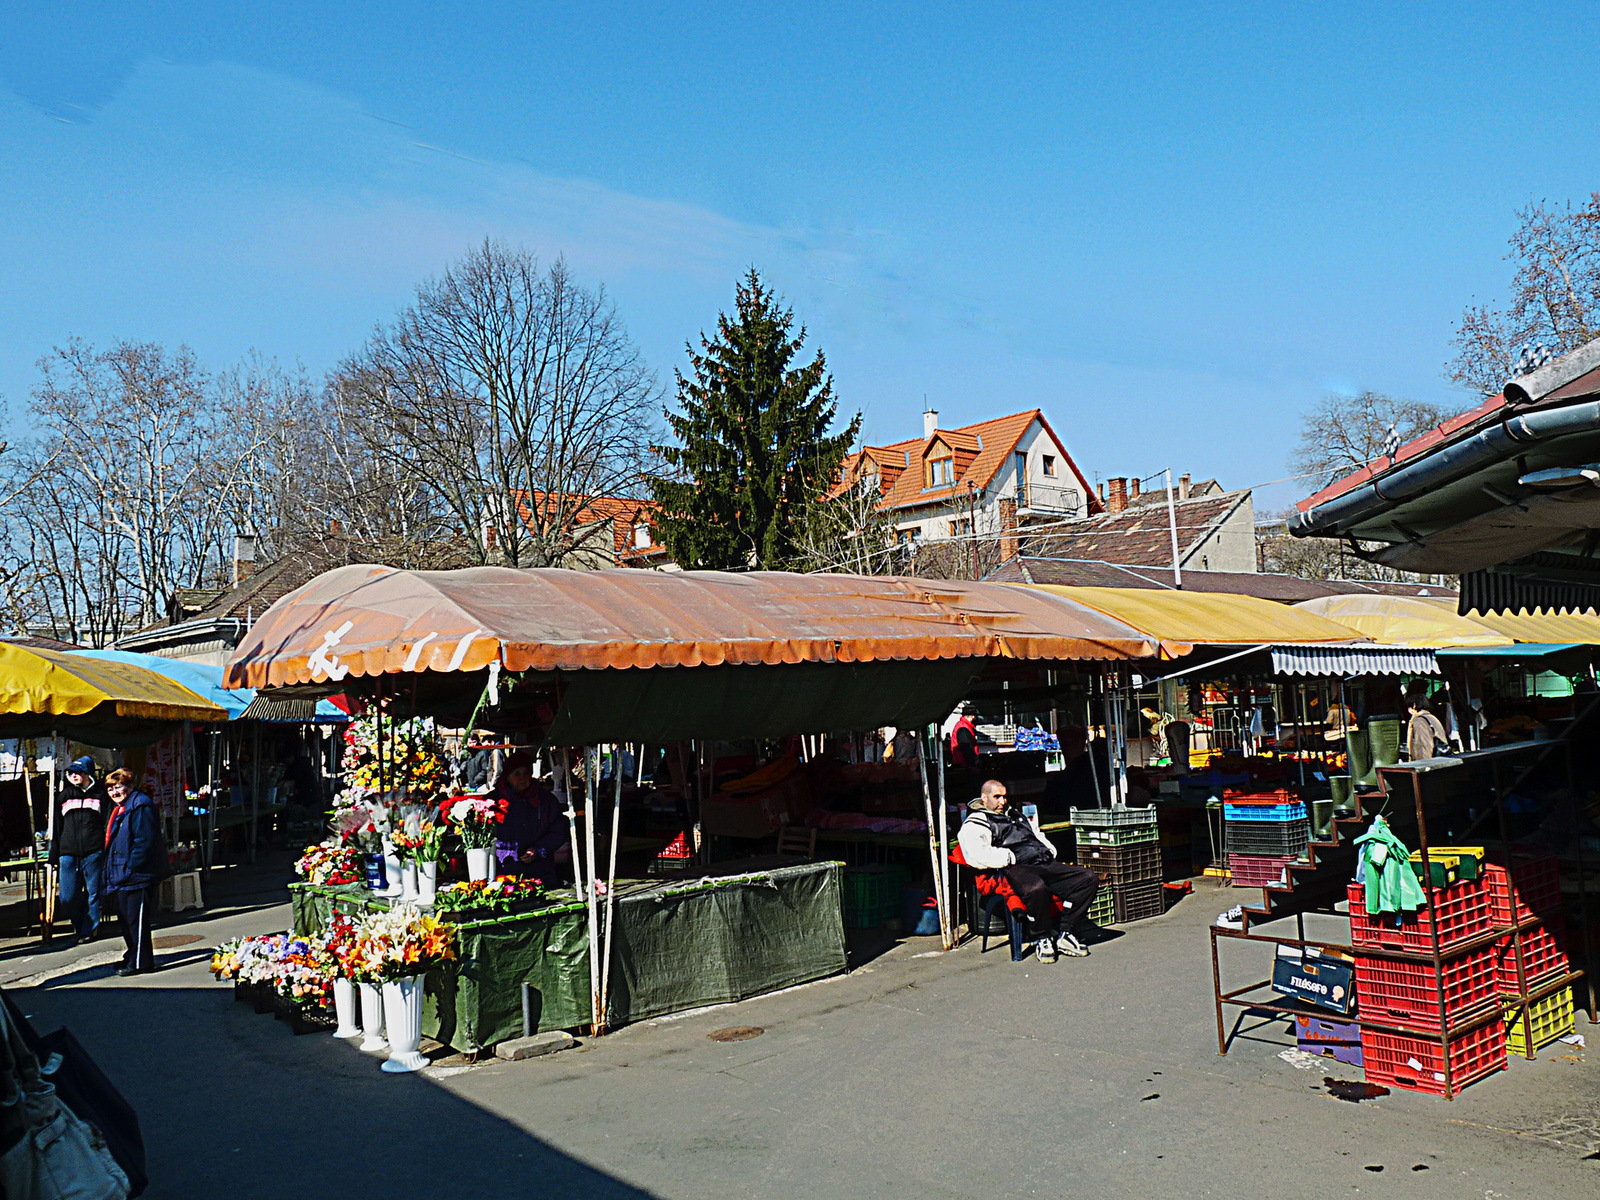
(679, 945)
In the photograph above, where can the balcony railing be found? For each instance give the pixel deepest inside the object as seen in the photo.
(1047, 499)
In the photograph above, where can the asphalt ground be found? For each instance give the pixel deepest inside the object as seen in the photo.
(917, 1073)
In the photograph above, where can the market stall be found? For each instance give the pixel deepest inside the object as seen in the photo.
(558, 660)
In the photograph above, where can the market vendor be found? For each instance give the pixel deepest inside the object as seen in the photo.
(997, 838)
(534, 838)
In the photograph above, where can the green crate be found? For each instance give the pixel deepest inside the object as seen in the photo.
(1103, 909)
(864, 897)
(1115, 835)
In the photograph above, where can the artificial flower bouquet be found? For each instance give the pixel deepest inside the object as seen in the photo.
(330, 862)
(413, 756)
(476, 819)
(500, 895)
(399, 943)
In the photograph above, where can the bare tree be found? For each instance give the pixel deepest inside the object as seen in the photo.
(1344, 433)
(1554, 301)
(512, 398)
(849, 532)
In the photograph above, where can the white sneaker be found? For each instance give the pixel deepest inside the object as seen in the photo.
(1071, 946)
(1045, 950)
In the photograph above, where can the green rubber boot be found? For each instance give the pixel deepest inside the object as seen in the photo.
(1383, 735)
(1359, 751)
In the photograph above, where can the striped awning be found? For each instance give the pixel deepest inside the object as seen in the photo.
(1353, 660)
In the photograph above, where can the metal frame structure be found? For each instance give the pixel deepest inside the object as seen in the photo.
(1478, 1016)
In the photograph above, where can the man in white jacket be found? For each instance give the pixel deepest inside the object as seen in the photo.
(993, 838)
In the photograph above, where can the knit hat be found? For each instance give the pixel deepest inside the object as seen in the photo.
(518, 759)
(81, 766)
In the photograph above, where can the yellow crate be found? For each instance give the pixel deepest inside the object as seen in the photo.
(1552, 1019)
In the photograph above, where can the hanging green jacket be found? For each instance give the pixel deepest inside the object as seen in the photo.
(1391, 883)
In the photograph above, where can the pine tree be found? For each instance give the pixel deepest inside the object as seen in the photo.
(753, 444)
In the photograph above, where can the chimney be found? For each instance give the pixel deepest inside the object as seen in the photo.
(1118, 500)
(1100, 490)
(930, 422)
(244, 557)
(1009, 542)
(1133, 490)
(1183, 487)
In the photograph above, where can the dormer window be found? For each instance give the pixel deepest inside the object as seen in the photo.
(941, 471)
(641, 537)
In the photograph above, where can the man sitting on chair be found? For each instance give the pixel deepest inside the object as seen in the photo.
(994, 838)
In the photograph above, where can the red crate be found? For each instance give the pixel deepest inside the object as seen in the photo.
(1260, 796)
(1462, 912)
(1397, 992)
(1254, 870)
(1542, 955)
(1538, 886)
(1417, 1064)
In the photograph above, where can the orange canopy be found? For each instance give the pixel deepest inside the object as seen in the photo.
(369, 620)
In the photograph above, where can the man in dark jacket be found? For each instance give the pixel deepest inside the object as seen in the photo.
(136, 863)
(78, 848)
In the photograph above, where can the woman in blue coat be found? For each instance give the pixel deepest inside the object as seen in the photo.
(135, 864)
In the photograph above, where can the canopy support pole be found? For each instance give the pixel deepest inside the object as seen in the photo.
(933, 844)
(611, 891)
(255, 786)
(591, 761)
(944, 836)
(50, 877)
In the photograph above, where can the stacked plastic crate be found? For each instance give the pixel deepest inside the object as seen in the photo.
(1120, 845)
(1528, 896)
(1430, 1009)
(1264, 832)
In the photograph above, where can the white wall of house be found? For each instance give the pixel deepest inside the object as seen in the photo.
(1229, 547)
(1036, 475)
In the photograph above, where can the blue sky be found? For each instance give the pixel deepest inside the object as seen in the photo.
(1171, 229)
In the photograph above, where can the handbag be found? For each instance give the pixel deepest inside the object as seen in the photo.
(50, 1154)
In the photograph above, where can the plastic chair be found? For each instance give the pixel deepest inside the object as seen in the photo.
(182, 891)
(996, 889)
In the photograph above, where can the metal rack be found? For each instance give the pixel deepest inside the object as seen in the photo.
(1483, 1014)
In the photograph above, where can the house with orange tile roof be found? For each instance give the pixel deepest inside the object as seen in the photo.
(982, 479)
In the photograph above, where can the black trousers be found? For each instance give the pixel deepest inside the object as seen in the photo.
(136, 909)
(1037, 882)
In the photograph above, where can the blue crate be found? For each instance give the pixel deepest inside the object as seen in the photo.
(1264, 812)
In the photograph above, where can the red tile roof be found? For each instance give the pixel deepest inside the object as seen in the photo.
(981, 450)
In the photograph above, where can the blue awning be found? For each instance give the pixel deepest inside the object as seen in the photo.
(206, 681)
(1520, 650)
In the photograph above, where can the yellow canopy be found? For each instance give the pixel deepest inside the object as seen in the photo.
(1181, 620)
(1406, 621)
(44, 683)
(1581, 629)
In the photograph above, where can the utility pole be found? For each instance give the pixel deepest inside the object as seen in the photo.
(1172, 523)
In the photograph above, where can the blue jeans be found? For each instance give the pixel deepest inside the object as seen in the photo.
(81, 875)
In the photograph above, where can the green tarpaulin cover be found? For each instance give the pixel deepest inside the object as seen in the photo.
(678, 945)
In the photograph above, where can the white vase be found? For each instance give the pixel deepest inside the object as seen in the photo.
(344, 1007)
(427, 882)
(372, 1018)
(402, 1011)
(480, 864)
(408, 881)
(391, 869)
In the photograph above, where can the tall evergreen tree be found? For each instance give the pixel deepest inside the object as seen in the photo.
(753, 444)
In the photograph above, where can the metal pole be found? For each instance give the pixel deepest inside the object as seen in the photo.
(572, 824)
(1433, 935)
(1583, 898)
(611, 891)
(1516, 924)
(591, 773)
(944, 835)
(50, 834)
(1172, 523)
(933, 847)
(255, 786)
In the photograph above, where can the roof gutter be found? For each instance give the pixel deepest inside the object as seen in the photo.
(1489, 447)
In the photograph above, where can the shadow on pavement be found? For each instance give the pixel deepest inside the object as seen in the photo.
(232, 1103)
